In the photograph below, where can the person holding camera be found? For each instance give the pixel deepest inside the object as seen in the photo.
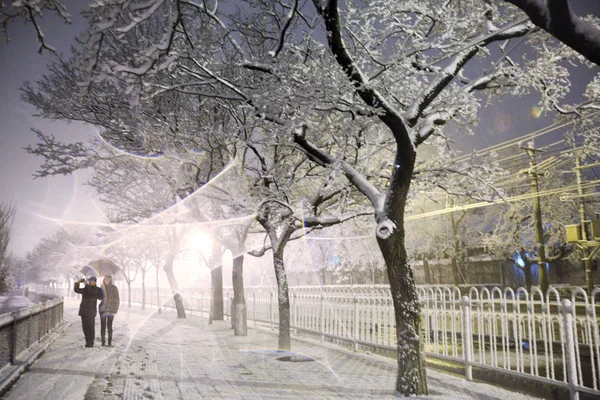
(90, 294)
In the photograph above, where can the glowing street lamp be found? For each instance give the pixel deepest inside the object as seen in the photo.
(200, 242)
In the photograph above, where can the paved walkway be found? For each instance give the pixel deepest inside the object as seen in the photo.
(159, 357)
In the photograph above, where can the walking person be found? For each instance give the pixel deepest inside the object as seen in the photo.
(90, 294)
(109, 306)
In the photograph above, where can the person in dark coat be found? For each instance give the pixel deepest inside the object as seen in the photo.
(90, 294)
(109, 306)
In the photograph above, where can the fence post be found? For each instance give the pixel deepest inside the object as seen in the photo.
(322, 317)
(294, 316)
(191, 302)
(355, 322)
(567, 314)
(271, 310)
(29, 328)
(13, 341)
(467, 337)
(254, 307)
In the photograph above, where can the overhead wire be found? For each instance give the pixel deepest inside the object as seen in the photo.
(531, 135)
(527, 196)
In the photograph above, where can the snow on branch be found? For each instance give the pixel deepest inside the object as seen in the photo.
(59, 158)
(286, 26)
(453, 69)
(31, 11)
(389, 116)
(426, 127)
(428, 94)
(324, 159)
(330, 221)
(148, 9)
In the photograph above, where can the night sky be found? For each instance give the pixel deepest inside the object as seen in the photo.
(65, 197)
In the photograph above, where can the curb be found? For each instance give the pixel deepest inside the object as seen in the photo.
(12, 372)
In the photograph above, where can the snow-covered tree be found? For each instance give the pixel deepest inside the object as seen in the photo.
(510, 228)
(7, 215)
(62, 255)
(17, 267)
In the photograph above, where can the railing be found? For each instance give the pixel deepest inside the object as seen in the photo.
(546, 338)
(551, 339)
(19, 330)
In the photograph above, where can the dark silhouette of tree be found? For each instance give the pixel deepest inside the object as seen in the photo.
(557, 18)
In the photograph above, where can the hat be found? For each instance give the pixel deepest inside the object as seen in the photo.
(92, 278)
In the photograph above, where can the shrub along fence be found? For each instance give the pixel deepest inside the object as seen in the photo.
(19, 330)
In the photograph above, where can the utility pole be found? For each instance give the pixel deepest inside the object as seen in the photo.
(586, 234)
(589, 278)
(537, 214)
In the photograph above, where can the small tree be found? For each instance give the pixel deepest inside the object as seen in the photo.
(7, 281)
(7, 215)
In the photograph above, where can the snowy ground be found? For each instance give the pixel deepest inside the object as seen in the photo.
(159, 357)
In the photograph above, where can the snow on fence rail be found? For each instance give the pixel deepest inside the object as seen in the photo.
(21, 329)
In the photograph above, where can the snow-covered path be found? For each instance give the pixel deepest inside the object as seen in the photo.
(159, 357)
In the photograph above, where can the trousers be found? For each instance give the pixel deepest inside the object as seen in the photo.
(88, 323)
(106, 321)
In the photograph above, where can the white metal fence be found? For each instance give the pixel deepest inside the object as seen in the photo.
(549, 338)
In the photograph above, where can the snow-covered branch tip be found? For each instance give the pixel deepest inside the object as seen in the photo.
(30, 11)
(274, 53)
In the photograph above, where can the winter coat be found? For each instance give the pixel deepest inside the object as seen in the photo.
(89, 299)
(110, 303)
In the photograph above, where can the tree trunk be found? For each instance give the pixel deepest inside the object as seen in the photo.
(143, 289)
(158, 291)
(283, 297)
(456, 257)
(216, 283)
(280, 227)
(427, 271)
(411, 377)
(168, 268)
(215, 264)
(129, 293)
(528, 276)
(455, 272)
(239, 312)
